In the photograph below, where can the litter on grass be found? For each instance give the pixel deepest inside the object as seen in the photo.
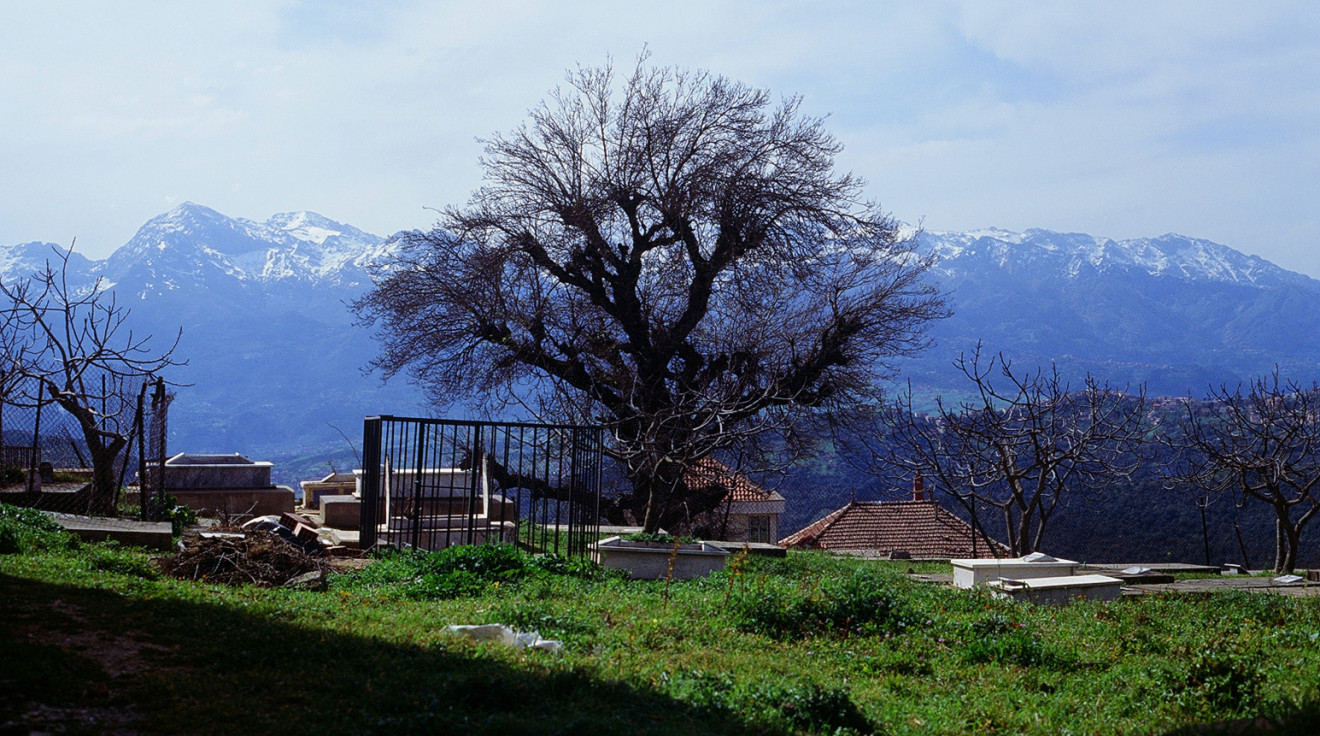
(505, 635)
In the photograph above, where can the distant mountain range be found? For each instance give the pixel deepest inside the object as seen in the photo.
(276, 361)
(1176, 313)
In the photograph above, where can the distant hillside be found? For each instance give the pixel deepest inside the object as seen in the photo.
(276, 362)
(1174, 312)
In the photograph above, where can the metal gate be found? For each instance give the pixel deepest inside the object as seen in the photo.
(428, 484)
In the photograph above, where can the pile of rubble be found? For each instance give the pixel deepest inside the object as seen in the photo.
(268, 551)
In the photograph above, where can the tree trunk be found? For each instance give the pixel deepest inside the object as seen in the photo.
(1289, 539)
(105, 486)
(657, 489)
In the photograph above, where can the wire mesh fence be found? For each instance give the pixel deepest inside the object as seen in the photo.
(47, 463)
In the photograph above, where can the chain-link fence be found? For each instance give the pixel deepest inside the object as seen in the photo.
(46, 462)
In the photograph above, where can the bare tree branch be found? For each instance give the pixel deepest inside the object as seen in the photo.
(85, 358)
(1021, 443)
(676, 259)
(1261, 446)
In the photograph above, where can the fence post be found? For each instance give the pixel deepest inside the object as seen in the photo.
(144, 490)
(367, 521)
(33, 478)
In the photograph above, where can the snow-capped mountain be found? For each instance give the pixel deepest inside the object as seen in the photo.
(1073, 255)
(1175, 312)
(172, 250)
(276, 360)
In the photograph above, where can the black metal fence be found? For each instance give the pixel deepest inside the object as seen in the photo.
(428, 484)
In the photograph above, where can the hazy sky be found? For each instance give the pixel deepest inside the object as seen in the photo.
(1121, 119)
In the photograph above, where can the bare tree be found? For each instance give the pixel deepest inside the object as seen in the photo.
(675, 258)
(16, 353)
(85, 359)
(1262, 445)
(1020, 444)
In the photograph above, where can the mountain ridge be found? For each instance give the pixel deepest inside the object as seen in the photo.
(277, 360)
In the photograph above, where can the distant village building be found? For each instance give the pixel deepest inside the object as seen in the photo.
(918, 528)
(746, 512)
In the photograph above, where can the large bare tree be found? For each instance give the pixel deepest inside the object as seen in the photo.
(670, 253)
(84, 357)
(1020, 443)
(1262, 445)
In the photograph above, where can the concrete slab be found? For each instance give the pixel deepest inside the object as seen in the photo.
(1236, 582)
(1058, 590)
(150, 534)
(653, 560)
(346, 538)
(970, 573)
(1163, 568)
(341, 512)
(188, 471)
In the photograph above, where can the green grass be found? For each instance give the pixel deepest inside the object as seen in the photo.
(806, 644)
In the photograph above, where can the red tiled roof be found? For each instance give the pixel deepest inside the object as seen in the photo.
(920, 528)
(709, 471)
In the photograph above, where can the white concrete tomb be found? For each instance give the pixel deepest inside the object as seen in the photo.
(971, 573)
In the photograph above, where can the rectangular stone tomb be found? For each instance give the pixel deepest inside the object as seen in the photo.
(224, 484)
(334, 484)
(236, 503)
(215, 471)
(657, 560)
(1059, 590)
(970, 573)
(345, 511)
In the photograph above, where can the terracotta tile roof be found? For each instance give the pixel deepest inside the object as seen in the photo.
(709, 471)
(921, 528)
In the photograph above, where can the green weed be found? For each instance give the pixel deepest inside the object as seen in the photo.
(861, 603)
(1224, 674)
(795, 705)
(28, 531)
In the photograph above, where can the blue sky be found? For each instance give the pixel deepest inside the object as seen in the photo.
(1120, 119)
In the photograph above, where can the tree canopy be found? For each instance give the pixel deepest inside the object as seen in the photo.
(671, 254)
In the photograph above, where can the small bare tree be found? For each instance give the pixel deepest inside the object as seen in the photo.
(1263, 445)
(674, 257)
(1020, 444)
(84, 358)
(16, 353)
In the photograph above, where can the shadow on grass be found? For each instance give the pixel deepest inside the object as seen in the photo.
(1305, 721)
(83, 660)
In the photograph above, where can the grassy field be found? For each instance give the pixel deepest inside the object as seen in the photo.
(94, 640)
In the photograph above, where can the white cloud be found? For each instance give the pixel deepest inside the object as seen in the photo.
(1122, 119)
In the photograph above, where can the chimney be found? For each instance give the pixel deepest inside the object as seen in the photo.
(919, 488)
